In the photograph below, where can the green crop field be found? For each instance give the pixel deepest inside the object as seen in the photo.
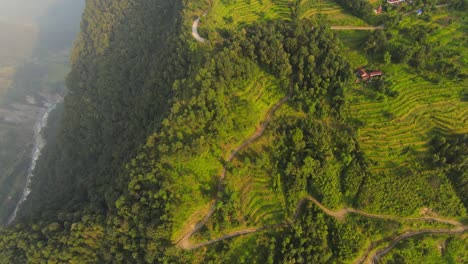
(329, 11)
(235, 14)
(395, 132)
(258, 201)
(409, 120)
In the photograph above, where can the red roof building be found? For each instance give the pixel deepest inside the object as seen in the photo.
(395, 2)
(364, 75)
(375, 73)
(378, 11)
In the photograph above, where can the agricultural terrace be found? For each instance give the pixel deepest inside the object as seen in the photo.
(396, 125)
(247, 104)
(219, 15)
(427, 98)
(253, 195)
(330, 12)
(396, 128)
(235, 13)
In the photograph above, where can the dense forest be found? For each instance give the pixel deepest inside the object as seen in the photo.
(451, 156)
(152, 118)
(106, 114)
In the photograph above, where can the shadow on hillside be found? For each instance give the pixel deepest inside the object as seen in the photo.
(117, 94)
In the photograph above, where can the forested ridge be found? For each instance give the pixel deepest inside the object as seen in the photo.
(152, 119)
(119, 87)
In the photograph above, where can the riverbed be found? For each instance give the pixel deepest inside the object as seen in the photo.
(38, 145)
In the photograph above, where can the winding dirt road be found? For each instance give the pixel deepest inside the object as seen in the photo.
(195, 31)
(184, 241)
(356, 28)
(375, 257)
(340, 215)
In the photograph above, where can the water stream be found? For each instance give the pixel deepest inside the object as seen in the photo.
(39, 143)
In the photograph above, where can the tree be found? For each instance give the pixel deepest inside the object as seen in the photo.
(387, 58)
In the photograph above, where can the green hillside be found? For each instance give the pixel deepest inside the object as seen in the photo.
(426, 103)
(424, 99)
(254, 142)
(330, 12)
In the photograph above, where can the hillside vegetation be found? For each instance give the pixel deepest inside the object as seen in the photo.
(255, 146)
(420, 97)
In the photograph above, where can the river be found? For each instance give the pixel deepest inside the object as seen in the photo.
(39, 143)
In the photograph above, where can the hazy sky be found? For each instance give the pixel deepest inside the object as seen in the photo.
(28, 26)
(26, 11)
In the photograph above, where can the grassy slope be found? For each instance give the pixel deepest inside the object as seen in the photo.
(246, 12)
(330, 12)
(237, 14)
(200, 171)
(253, 196)
(258, 96)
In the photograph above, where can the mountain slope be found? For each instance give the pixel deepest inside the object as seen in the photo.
(238, 149)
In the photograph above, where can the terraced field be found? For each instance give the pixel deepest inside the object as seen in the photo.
(252, 182)
(253, 198)
(330, 11)
(236, 13)
(396, 128)
(219, 15)
(200, 171)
